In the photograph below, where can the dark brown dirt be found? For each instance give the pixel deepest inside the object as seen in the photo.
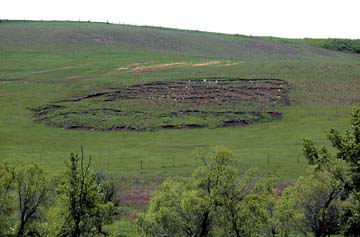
(275, 115)
(202, 91)
(169, 127)
(80, 127)
(234, 123)
(189, 126)
(214, 94)
(124, 128)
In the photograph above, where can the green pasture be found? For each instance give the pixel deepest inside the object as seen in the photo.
(43, 62)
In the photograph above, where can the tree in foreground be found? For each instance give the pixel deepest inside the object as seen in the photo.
(347, 146)
(24, 193)
(186, 206)
(260, 209)
(32, 188)
(315, 200)
(6, 199)
(176, 209)
(217, 177)
(84, 212)
(230, 193)
(216, 199)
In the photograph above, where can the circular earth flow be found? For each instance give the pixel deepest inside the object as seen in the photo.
(175, 104)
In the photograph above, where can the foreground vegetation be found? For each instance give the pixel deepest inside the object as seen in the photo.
(217, 200)
(62, 85)
(75, 204)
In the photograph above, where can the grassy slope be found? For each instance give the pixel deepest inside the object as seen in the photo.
(34, 70)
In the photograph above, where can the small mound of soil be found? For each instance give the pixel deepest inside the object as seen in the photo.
(233, 123)
(275, 115)
(79, 127)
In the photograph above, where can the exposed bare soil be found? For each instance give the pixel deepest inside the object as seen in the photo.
(149, 67)
(209, 93)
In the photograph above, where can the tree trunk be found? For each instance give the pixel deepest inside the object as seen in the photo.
(237, 232)
(205, 225)
(76, 232)
(273, 232)
(20, 232)
(320, 232)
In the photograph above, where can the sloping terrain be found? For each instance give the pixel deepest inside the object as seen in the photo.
(70, 36)
(45, 66)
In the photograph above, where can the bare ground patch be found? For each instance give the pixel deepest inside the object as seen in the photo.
(151, 67)
(176, 104)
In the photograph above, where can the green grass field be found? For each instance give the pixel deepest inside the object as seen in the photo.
(44, 62)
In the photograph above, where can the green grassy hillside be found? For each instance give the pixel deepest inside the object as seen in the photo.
(42, 63)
